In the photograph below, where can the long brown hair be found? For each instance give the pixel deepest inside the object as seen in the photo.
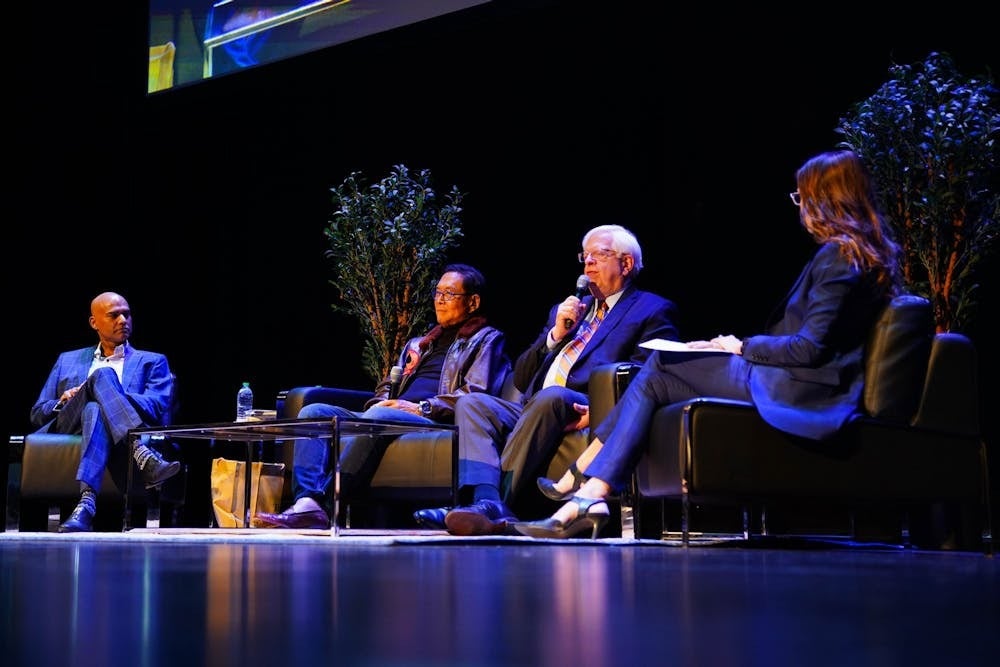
(839, 206)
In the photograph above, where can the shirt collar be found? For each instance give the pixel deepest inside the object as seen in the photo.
(119, 352)
(612, 299)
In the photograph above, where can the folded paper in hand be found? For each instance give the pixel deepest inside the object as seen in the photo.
(665, 345)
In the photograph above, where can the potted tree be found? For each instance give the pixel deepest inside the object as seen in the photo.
(387, 245)
(929, 136)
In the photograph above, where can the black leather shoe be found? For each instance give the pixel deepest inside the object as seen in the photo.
(432, 518)
(549, 490)
(80, 521)
(310, 519)
(483, 517)
(155, 470)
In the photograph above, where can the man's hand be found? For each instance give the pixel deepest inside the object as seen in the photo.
(583, 421)
(570, 309)
(68, 394)
(399, 404)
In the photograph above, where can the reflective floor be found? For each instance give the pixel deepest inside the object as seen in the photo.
(75, 601)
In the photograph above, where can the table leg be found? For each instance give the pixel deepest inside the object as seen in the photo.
(247, 484)
(335, 442)
(127, 502)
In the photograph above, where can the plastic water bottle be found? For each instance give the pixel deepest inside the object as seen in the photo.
(244, 402)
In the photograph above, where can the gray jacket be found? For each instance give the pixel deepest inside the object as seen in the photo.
(476, 361)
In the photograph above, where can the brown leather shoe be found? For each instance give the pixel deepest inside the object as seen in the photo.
(288, 519)
(483, 517)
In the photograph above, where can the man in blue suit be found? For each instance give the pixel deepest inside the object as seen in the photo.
(501, 442)
(101, 393)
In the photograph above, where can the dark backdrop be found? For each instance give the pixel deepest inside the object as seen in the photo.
(205, 205)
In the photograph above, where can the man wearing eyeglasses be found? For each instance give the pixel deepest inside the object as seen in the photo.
(461, 355)
(503, 443)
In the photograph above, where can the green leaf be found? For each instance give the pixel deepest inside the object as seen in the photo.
(387, 244)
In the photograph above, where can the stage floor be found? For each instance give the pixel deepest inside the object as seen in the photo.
(270, 597)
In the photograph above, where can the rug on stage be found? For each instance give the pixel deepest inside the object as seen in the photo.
(345, 537)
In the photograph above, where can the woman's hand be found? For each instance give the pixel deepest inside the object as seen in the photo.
(729, 343)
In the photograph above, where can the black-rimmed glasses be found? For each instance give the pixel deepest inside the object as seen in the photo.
(447, 297)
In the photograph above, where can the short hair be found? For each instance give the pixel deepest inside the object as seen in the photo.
(622, 242)
(473, 281)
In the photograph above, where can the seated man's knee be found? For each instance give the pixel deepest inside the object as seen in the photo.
(476, 402)
(103, 375)
(383, 412)
(549, 397)
(316, 411)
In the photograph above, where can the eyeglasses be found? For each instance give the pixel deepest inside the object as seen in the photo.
(597, 255)
(796, 199)
(447, 297)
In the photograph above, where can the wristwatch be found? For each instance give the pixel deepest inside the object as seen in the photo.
(425, 408)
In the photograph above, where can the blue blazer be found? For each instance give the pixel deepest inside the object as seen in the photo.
(807, 371)
(637, 317)
(146, 378)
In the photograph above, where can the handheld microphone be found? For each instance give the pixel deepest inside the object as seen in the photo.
(582, 290)
(395, 375)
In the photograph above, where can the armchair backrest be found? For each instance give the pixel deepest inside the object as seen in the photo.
(896, 358)
(918, 377)
(508, 391)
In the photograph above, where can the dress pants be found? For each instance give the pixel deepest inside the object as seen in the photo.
(501, 443)
(312, 474)
(665, 378)
(102, 413)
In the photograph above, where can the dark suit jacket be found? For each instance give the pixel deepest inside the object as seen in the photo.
(807, 371)
(146, 378)
(638, 316)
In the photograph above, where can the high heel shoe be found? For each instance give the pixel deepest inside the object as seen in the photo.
(549, 490)
(585, 519)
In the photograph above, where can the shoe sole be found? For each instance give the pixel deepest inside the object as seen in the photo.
(281, 526)
(303, 522)
(74, 529)
(466, 524)
(169, 471)
(430, 523)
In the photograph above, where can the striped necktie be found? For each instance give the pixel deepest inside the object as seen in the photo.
(569, 354)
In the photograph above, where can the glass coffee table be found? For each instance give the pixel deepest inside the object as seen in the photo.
(255, 433)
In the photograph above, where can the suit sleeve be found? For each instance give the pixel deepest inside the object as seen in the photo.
(42, 411)
(822, 302)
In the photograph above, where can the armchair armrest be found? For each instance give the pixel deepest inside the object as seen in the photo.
(290, 401)
(950, 400)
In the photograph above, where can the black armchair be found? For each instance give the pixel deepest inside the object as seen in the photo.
(917, 448)
(47, 481)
